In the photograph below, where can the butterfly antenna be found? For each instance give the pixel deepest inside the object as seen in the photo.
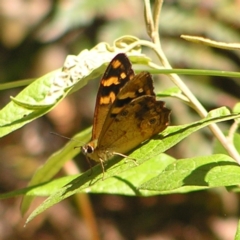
(59, 135)
(71, 139)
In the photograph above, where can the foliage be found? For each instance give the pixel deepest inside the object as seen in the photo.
(156, 172)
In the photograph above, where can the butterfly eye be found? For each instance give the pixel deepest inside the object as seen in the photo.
(87, 149)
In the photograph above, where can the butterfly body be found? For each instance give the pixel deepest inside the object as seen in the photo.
(126, 113)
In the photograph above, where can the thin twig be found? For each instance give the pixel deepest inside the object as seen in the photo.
(232, 131)
(148, 17)
(156, 15)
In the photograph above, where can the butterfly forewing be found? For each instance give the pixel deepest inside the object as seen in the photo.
(118, 73)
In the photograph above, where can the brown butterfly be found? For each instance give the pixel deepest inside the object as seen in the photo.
(126, 112)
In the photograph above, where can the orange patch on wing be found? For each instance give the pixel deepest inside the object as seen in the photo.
(123, 75)
(116, 64)
(140, 90)
(127, 95)
(110, 81)
(116, 110)
(108, 99)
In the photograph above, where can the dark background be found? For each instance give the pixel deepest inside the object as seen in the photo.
(35, 38)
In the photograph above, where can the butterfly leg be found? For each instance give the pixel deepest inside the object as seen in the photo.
(132, 160)
(125, 156)
(90, 165)
(103, 169)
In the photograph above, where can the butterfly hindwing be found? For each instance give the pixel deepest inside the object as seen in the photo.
(141, 119)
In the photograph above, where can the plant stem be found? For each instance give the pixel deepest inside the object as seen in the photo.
(152, 27)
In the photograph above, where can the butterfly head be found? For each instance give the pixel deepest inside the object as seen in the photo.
(92, 151)
(89, 149)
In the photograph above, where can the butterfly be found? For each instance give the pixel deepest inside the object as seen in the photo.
(126, 112)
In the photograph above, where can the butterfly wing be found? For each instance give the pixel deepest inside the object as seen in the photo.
(141, 84)
(118, 73)
(126, 113)
(138, 121)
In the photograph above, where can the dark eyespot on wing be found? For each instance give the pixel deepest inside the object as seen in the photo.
(152, 121)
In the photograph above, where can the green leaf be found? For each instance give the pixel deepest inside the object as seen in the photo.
(112, 185)
(43, 189)
(14, 116)
(194, 174)
(236, 108)
(53, 165)
(170, 92)
(237, 236)
(151, 151)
